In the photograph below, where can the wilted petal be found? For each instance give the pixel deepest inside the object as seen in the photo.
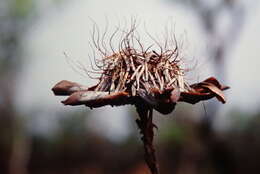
(195, 97)
(162, 101)
(217, 91)
(205, 90)
(97, 98)
(66, 87)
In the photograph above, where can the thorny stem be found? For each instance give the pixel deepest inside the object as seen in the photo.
(145, 124)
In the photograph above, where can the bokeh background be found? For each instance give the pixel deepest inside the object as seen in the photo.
(38, 135)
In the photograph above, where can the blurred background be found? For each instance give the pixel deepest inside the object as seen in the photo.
(38, 135)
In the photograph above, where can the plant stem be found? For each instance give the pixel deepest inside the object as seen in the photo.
(145, 124)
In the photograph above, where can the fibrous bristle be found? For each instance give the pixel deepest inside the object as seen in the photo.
(132, 67)
(131, 71)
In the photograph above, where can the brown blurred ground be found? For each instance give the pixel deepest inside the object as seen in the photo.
(183, 147)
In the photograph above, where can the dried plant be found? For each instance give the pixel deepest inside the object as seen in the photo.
(141, 76)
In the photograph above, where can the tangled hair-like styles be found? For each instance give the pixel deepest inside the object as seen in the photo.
(131, 66)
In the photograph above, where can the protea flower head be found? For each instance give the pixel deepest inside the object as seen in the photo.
(134, 74)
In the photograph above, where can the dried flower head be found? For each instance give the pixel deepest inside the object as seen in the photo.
(134, 74)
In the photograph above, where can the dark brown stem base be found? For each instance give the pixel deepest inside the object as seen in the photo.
(146, 126)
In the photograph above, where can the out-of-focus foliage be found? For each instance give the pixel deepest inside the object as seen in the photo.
(13, 16)
(183, 146)
(21, 8)
(13, 19)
